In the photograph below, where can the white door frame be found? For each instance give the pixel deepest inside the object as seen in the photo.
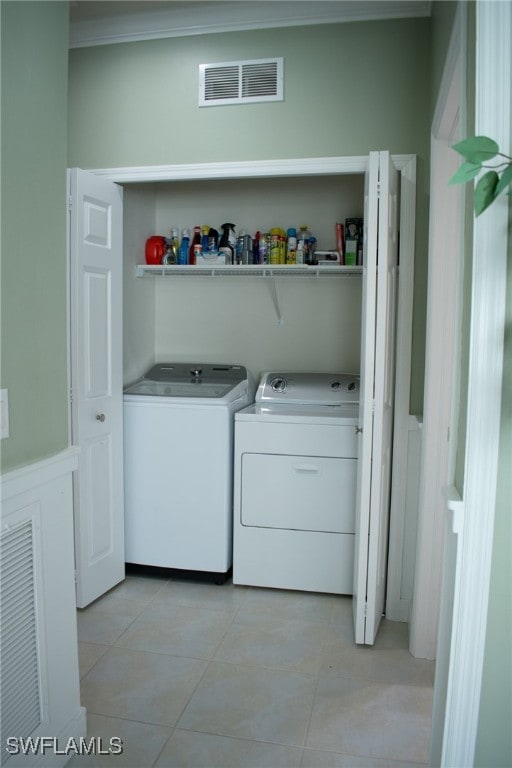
(464, 618)
(442, 360)
(318, 166)
(474, 559)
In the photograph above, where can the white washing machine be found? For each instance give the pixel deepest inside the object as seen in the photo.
(178, 465)
(295, 477)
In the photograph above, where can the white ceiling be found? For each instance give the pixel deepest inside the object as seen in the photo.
(102, 22)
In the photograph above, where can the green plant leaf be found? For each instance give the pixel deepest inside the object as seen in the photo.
(477, 149)
(505, 180)
(466, 172)
(485, 191)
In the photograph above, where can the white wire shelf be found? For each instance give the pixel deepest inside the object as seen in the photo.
(255, 270)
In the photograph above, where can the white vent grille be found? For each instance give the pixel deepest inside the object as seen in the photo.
(240, 82)
(21, 709)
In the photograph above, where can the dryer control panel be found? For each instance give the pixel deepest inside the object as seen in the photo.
(304, 388)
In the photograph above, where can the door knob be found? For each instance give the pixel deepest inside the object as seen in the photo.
(100, 417)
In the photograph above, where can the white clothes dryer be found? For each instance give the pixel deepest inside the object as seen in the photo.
(295, 478)
(178, 465)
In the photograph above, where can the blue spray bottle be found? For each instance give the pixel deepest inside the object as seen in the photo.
(184, 247)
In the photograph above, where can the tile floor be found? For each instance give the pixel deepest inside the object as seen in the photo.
(198, 675)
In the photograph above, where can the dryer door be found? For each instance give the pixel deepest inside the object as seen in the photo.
(300, 493)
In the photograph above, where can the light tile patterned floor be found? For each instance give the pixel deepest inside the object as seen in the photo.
(196, 675)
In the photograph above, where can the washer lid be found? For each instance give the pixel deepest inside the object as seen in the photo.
(178, 389)
(189, 380)
(308, 388)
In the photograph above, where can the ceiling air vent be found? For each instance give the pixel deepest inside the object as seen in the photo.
(240, 82)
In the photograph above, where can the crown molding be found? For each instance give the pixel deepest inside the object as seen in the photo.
(114, 24)
(252, 169)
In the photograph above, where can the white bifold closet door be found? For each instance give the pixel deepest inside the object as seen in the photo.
(96, 343)
(380, 273)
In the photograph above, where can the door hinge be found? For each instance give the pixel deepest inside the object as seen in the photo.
(374, 405)
(70, 203)
(378, 189)
(71, 395)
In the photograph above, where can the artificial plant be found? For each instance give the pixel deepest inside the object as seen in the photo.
(477, 152)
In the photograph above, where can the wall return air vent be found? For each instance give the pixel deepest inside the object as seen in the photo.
(240, 82)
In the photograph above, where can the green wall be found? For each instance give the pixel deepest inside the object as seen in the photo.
(442, 19)
(33, 228)
(349, 89)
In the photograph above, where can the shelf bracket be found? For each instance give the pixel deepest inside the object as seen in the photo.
(275, 299)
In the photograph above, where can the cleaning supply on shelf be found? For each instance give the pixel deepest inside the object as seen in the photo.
(353, 241)
(243, 251)
(156, 247)
(213, 240)
(291, 246)
(312, 243)
(263, 248)
(239, 248)
(256, 248)
(303, 245)
(204, 237)
(171, 254)
(275, 246)
(196, 240)
(184, 248)
(247, 250)
(350, 252)
(282, 246)
(167, 258)
(340, 242)
(227, 242)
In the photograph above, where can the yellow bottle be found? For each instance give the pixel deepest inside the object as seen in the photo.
(275, 246)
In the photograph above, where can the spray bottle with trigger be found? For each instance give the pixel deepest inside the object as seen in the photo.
(227, 242)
